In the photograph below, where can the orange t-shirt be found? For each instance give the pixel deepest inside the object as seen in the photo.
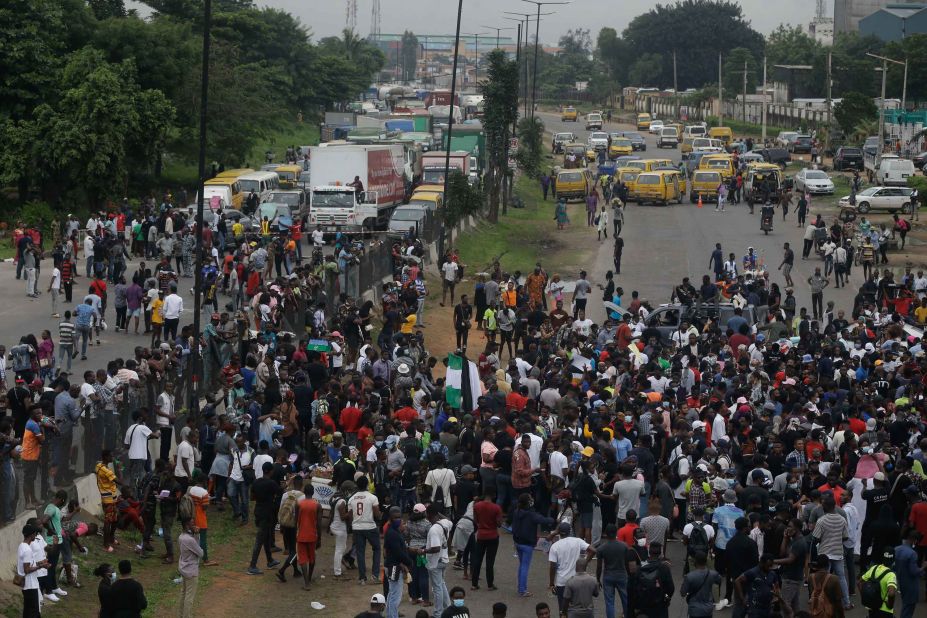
(509, 298)
(307, 530)
(200, 502)
(31, 445)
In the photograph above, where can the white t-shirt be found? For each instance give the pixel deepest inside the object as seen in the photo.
(361, 506)
(318, 238)
(709, 531)
(38, 546)
(558, 462)
(565, 553)
(583, 328)
(450, 271)
(166, 405)
(239, 459)
(137, 441)
(259, 461)
(56, 279)
(25, 556)
(684, 466)
(184, 451)
(443, 478)
(437, 537)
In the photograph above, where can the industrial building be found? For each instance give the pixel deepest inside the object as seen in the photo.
(895, 22)
(848, 13)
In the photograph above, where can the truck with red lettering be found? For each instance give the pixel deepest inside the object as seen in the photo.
(338, 204)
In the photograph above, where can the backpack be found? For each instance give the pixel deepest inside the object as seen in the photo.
(820, 606)
(22, 359)
(286, 516)
(649, 590)
(698, 540)
(185, 508)
(438, 499)
(674, 479)
(871, 591)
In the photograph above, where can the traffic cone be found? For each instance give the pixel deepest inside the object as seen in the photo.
(699, 200)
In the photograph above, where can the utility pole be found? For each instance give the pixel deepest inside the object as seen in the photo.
(498, 30)
(720, 95)
(744, 102)
(885, 62)
(196, 374)
(537, 45)
(763, 114)
(450, 119)
(517, 63)
(904, 87)
(675, 89)
(830, 105)
(526, 18)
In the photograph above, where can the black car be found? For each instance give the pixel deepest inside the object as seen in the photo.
(920, 160)
(849, 159)
(802, 143)
(779, 156)
(637, 140)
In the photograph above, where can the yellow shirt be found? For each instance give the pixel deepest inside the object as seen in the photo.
(265, 228)
(238, 229)
(408, 324)
(157, 317)
(106, 483)
(920, 314)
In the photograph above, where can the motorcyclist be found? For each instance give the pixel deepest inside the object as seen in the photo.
(766, 214)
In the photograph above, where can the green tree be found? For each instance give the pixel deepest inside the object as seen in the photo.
(854, 109)
(463, 199)
(500, 101)
(646, 69)
(914, 49)
(408, 55)
(530, 145)
(735, 63)
(852, 69)
(104, 9)
(613, 51)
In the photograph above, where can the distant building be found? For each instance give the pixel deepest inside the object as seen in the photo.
(848, 13)
(822, 30)
(895, 22)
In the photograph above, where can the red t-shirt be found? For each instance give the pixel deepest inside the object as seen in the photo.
(857, 425)
(406, 415)
(837, 491)
(918, 519)
(365, 437)
(515, 401)
(626, 534)
(488, 517)
(351, 419)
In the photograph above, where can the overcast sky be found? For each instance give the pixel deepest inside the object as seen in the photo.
(327, 17)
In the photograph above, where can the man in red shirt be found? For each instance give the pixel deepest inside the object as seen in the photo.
(521, 467)
(406, 414)
(517, 401)
(626, 532)
(623, 335)
(308, 535)
(351, 422)
(487, 517)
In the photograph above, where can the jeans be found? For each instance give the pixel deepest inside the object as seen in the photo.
(54, 300)
(30, 281)
(361, 538)
(89, 266)
(817, 304)
(239, 494)
(83, 331)
(420, 309)
(8, 489)
(166, 439)
(503, 490)
(418, 587)
(439, 595)
(65, 350)
(611, 583)
(393, 598)
(136, 470)
(487, 547)
(644, 500)
(838, 568)
(525, 553)
(263, 539)
(341, 544)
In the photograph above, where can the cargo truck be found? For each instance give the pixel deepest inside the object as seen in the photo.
(441, 97)
(433, 165)
(338, 207)
(470, 137)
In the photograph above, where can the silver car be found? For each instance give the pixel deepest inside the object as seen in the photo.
(814, 182)
(891, 199)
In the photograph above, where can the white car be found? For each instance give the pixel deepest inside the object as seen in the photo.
(892, 199)
(814, 182)
(656, 126)
(598, 140)
(785, 138)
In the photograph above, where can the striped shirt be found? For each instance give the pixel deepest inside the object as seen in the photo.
(65, 333)
(830, 531)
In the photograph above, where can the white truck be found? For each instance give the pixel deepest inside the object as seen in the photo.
(336, 206)
(888, 169)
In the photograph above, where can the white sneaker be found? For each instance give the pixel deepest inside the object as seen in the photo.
(59, 592)
(52, 598)
(721, 605)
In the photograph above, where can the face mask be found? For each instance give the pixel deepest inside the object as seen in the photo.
(459, 602)
(793, 485)
(642, 541)
(731, 482)
(112, 578)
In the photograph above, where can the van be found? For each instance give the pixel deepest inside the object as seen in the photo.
(227, 190)
(648, 165)
(707, 144)
(661, 187)
(704, 183)
(573, 184)
(894, 171)
(725, 134)
(686, 146)
(426, 188)
(628, 177)
(569, 114)
(643, 122)
(763, 179)
(578, 152)
(234, 173)
(722, 163)
(288, 176)
(262, 183)
(410, 216)
(429, 200)
(694, 130)
(668, 137)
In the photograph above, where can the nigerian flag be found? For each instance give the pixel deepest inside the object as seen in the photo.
(462, 385)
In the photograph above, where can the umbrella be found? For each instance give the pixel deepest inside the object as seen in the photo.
(613, 307)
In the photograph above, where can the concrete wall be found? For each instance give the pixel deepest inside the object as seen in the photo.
(786, 116)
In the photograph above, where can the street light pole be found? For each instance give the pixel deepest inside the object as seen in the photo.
(450, 120)
(763, 114)
(537, 44)
(498, 30)
(675, 89)
(526, 18)
(720, 95)
(194, 406)
(885, 62)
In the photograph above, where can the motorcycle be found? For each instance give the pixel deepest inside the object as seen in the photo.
(766, 220)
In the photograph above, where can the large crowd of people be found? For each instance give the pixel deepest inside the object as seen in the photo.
(786, 457)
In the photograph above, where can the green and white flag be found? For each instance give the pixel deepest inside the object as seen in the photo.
(462, 384)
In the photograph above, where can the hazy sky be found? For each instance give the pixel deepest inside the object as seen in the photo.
(327, 17)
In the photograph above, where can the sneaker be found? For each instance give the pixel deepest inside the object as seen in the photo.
(59, 592)
(56, 315)
(721, 604)
(254, 571)
(52, 598)
(273, 564)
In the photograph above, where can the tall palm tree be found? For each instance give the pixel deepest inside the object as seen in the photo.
(864, 129)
